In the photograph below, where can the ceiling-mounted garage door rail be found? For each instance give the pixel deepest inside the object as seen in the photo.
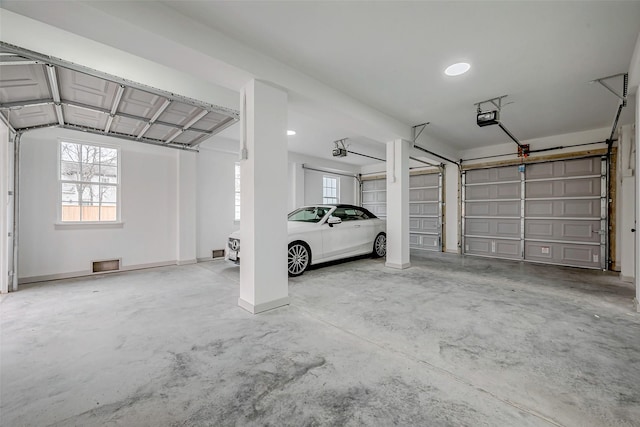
(39, 91)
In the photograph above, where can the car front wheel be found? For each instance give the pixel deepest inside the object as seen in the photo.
(380, 246)
(298, 258)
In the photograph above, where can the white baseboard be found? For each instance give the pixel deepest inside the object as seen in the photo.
(71, 275)
(397, 266)
(260, 308)
(187, 261)
(628, 279)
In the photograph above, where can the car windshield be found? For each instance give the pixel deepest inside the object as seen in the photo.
(309, 214)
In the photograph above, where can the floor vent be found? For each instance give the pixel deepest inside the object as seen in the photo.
(217, 253)
(107, 265)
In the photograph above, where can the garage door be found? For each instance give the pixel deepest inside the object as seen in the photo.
(552, 212)
(425, 207)
(425, 212)
(374, 196)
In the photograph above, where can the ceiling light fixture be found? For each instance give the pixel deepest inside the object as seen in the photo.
(291, 132)
(457, 69)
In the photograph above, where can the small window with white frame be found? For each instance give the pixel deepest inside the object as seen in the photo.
(330, 190)
(89, 182)
(237, 192)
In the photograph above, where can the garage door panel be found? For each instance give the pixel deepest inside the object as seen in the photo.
(493, 227)
(34, 115)
(579, 187)
(424, 209)
(564, 169)
(426, 180)
(567, 230)
(492, 247)
(424, 241)
(374, 197)
(374, 184)
(377, 209)
(507, 173)
(424, 224)
(493, 191)
(494, 208)
(564, 254)
(581, 208)
(423, 194)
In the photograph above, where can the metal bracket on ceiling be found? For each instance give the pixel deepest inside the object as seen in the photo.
(621, 96)
(421, 127)
(496, 102)
(625, 86)
(4, 119)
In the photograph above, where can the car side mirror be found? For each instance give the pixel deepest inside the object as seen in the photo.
(333, 220)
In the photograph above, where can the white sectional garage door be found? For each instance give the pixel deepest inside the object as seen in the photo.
(553, 212)
(425, 212)
(491, 212)
(374, 196)
(425, 207)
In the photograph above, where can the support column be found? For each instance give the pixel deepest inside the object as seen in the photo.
(5, 226)
(452, 216)
(263, 218)
(296, 189)
(187, 207)
(398, 204)
(626, 205)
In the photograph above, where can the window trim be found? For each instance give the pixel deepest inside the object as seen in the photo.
(59, 223)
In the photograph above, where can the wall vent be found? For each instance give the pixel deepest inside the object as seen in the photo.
(106, 265)
(217, 253)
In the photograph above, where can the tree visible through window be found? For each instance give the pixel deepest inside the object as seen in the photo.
(330, 190)
(237, 191)
(88, 182)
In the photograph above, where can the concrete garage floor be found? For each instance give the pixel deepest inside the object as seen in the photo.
(451, 341)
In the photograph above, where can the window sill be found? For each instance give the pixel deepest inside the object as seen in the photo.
(87, 225)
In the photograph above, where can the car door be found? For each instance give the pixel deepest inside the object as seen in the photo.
(347, 238)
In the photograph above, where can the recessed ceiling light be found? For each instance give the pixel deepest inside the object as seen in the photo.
(291, 132)
(457, 69)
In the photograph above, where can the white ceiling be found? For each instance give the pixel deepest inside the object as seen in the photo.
(391, 55)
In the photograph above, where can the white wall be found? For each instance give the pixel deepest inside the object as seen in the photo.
(311, 181)
(215, 199)
(313, 187)
(148, 206)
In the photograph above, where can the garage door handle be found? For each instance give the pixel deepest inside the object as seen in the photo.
(597, 231)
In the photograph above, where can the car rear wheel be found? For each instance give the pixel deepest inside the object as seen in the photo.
(380, 246)
(298, 258)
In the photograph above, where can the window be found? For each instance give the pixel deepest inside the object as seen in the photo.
(330, 190)
(310, 214)
(350, 214)
(89, 183)
(237, 190)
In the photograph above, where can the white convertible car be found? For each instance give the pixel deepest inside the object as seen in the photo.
(326, 233)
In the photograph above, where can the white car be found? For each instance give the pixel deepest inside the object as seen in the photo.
(325, 233)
